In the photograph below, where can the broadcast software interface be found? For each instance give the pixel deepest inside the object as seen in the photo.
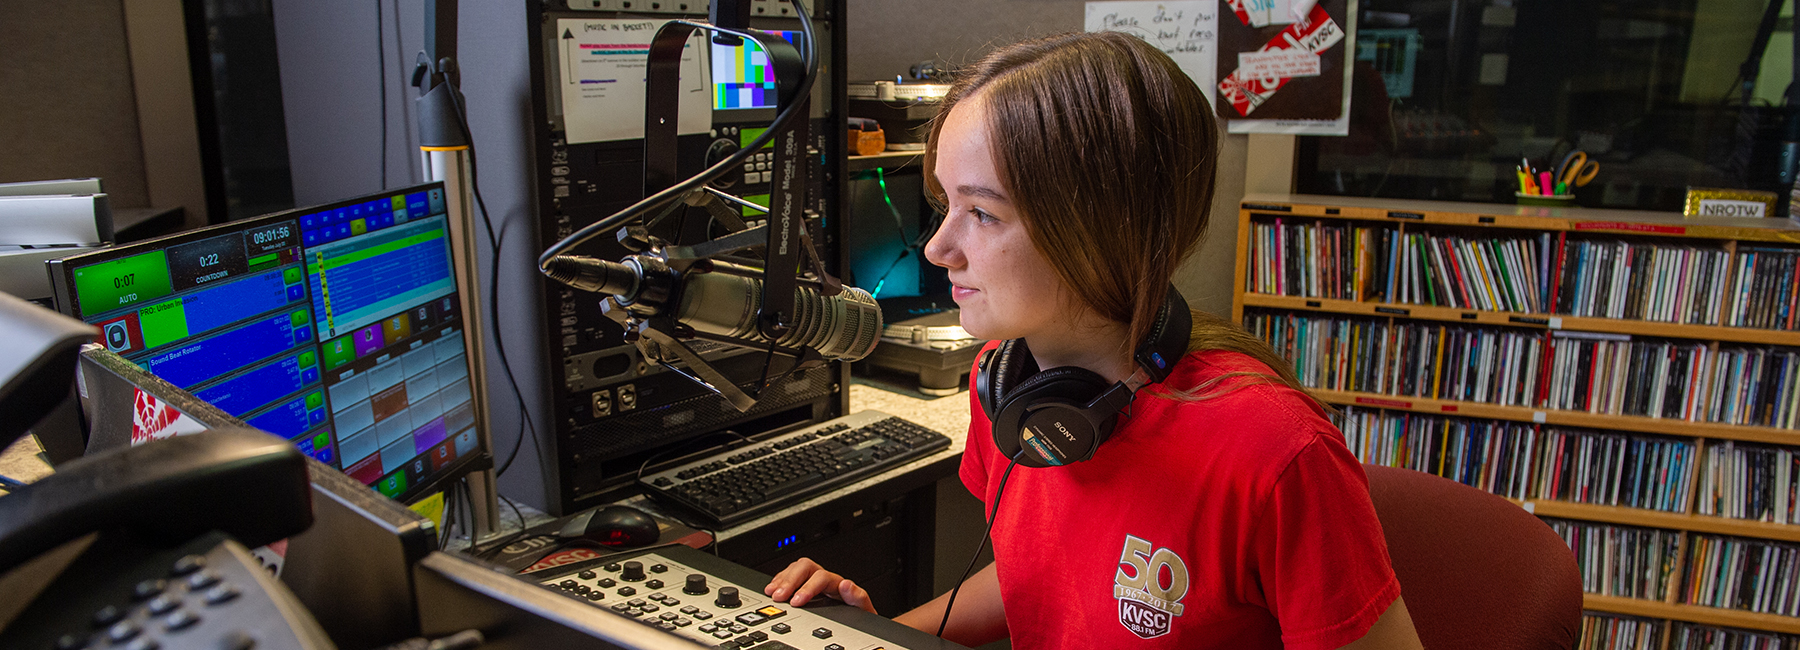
(742, 77)
(336, 327)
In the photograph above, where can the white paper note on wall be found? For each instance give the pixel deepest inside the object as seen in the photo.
(1262, 13)
(602, 65)
(1187, 30)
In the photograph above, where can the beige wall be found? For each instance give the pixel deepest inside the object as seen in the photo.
(67, 108)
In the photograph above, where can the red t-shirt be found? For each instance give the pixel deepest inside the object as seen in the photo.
(1247, 509)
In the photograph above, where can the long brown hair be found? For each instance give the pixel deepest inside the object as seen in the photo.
(1108, 150)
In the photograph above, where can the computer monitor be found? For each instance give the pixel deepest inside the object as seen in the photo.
(337, 327)
(742, 78)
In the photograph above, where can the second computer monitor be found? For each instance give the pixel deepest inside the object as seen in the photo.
(338, 327)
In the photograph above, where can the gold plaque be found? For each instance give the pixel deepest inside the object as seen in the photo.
(1720, 202)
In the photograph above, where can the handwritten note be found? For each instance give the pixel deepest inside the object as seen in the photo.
(602, 65)
(1278, 64)
(1187, 30)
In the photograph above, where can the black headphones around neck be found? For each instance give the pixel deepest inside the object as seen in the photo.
(1061, 415)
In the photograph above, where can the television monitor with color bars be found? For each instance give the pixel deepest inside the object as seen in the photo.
(742, 78)
(337, 327)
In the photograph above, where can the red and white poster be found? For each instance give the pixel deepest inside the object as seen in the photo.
(154, 419)
(1282, 71)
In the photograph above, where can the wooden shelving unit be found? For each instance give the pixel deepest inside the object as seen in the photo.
(1466, 217)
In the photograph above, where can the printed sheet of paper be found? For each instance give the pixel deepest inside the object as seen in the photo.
(602, 65)
(1187, 30)
(1262, 13)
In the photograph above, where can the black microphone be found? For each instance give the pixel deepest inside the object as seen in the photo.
(725, 302)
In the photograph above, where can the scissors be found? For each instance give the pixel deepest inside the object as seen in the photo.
(1576, 170)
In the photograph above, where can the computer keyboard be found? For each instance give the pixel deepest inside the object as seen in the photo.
(740, 484)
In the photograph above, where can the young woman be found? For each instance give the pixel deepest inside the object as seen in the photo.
(1224, 510)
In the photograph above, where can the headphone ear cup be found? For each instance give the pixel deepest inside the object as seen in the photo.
(1069, 389)
(1000, 369)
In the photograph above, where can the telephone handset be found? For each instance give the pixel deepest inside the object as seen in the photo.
(165, 566)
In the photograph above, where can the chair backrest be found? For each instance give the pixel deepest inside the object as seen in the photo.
(1476, 570)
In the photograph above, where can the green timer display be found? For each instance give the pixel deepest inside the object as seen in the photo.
(107, 286)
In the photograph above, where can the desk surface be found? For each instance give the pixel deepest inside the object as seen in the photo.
(948, 415)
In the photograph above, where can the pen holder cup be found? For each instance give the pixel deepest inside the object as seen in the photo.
(1556, 200)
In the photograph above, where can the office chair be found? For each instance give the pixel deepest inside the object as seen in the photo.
(1476, 570)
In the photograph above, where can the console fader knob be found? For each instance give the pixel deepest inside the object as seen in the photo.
(728, 597)
(696, 584)
(634, 571)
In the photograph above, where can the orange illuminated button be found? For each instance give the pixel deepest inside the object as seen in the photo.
(761, 616)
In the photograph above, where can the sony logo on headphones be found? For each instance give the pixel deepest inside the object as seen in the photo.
(1065, 431)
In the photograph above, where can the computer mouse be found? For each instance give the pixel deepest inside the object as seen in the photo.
(618, 526)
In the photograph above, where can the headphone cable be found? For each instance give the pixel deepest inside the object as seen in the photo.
(993, 513)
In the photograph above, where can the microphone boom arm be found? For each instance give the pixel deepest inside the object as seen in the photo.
(781, 327)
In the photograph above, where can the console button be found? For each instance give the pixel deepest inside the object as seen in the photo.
(654, 584)
(780, 628)
(107, 616)
(164, 604)
(587, 575)
(221, 594)
(188, 564)
(627, 591)
(751, 618)
(607, 583)
(148, 589)
(203, 579)
(122, 632)
(180, 620)
(822, 633)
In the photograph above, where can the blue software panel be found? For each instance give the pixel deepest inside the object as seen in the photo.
(264, 384)
(207, 358)
(292, 417)
(228, 303)
(361, 280)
